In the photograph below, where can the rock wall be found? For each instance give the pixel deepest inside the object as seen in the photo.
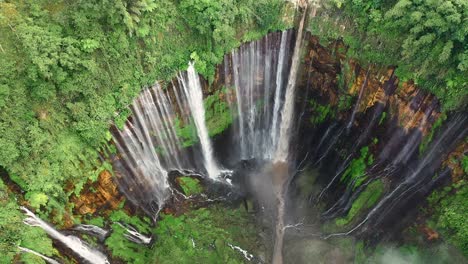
(100, 196)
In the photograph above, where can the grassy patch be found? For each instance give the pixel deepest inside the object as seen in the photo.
(320, 112)
(366, 199)
(357, 168)
(199, 236)
(217, 113)
(190, 185)
(427, 139)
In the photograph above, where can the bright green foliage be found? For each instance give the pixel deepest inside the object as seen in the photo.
(15, 233)
(320, 112)
(366, 200)
(66, 68)
(217, 114)
(464, 163)
(357, 169)
(35, 238)
(209, 229)
(37, 199)
(398, 32)
(97, 221)
(190, 185)
(120, 246)
(212, 22)
(187, 133)
(450, 215)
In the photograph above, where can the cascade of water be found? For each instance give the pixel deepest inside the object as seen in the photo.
(258, 71)
(244, 252)
(148, 146)
(287, 114)
(134, 236)
(47, 259)
(193, 92)
(92, 230)
(415, 179)
(277, 101)
(73, 243)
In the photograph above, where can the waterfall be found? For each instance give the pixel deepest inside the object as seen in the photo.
(416, 178)
(287, 114)
(278, 91)
(92, 230)
(133, 235)
(257, 74)
(147, 147)
(193, 92)
(73, 243)
(47, 259)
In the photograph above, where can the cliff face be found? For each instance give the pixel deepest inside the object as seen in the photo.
(360, 122)
(333, 77)
(102, 195)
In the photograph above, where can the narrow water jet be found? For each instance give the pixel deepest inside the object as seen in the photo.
(92, 230)
(414, 178)
(134, 236)
(72, 242)
(47, 259)
(193, 92)
(278, 92)
(358, 102)
(287, 114)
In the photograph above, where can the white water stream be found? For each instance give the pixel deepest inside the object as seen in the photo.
(75, 244)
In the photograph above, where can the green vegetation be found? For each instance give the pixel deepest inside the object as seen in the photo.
(449, 211)
(202, 236)
(70, 69)
(14, 233)
(357, 168)
(345, 100)
(120, 246)
(190, 185)
(199, 236)
(187, 133)
(397, 33)
(366, 200)
(217, 113)
(217, 117)
(382, 118)
(428, 138)
(320, 112)
(66, 68)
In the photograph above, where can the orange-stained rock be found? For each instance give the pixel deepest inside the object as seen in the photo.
(101, 195)
(430, 233)
(409, 105)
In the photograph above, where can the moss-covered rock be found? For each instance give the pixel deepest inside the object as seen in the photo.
(365, 200)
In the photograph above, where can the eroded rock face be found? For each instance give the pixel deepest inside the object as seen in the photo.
(331, 75)
(99, 196)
